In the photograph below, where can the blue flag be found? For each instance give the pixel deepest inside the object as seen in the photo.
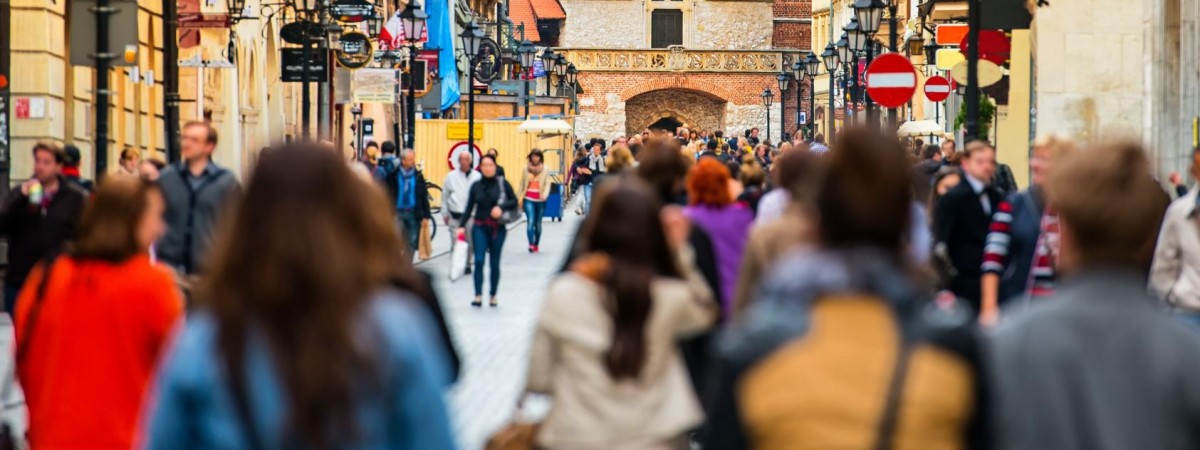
(441, 37)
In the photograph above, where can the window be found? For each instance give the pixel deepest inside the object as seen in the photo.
(666, 28)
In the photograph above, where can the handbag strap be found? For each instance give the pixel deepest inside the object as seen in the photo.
(887, 424)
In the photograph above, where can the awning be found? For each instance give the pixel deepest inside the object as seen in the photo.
(917, 128)
(551, 127)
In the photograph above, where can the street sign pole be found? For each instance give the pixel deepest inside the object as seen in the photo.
(305, 95)
(324, 127)
(974, 21)
(103, 57)
(5, 65)
(171, 77)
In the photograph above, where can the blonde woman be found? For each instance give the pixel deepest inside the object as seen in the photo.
(1020, 260)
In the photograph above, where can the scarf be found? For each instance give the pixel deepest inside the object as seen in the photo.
(536, 170)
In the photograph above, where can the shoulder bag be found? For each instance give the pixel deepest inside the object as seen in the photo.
(507, 216)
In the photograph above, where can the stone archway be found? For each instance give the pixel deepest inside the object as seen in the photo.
(692, 109)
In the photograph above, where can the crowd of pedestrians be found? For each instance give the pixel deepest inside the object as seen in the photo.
(720, 293)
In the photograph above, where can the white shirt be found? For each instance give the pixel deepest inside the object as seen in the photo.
(772, 204)
(455, 190)
(978, 186)
(1175, 272)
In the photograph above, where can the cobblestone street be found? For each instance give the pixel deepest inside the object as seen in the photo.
(494, 342)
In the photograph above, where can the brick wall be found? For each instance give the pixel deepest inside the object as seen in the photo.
(792, 35)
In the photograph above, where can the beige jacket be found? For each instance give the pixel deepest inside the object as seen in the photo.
(591, 410)
(543, 180)
(1175, 273)
(768, 241)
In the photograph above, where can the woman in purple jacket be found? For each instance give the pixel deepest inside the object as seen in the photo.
(711, 206)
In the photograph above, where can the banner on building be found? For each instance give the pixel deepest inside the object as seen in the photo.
(373, 86)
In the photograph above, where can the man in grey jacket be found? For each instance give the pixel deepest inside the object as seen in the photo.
(1099, 366)
(197, 193)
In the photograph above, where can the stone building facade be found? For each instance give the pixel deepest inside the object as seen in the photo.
(710, 76)
(1120, 69)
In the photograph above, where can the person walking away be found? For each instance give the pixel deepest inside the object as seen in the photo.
(620, 160)
(198, 193)
(38, 217)
(535, 189)
(1020, 258)
(727, 222)
(595, 170)
(818, 145)
(832, 352)
(1175, 273)
(71, 171)
(455, 190)
(961, 220)
(923, 171)
(1099, 366)
(796, 173)
(490, 197)
(128, 164)
(605, 342)
(387, 162)
(80, 394)
(341, 355)
(752, 176)
(407, 188)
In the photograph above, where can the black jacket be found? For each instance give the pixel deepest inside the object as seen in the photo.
(484, 195)
(960, 222)
(32, 234)
(393, 188)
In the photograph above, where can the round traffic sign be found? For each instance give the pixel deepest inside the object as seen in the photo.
(891, 80)
(937, 88)
(456, 149)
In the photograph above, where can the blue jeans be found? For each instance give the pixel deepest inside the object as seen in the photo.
(534, 211)
(487, 239)
(587, 198)
(411, 226)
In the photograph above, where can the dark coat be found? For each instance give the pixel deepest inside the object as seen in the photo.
(960, 222)
(33, 235)
(192, 215)
(393, 188)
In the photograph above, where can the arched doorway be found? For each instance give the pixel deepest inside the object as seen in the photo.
(669, 124)
(669, 109)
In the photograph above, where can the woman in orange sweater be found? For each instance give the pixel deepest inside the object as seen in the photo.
(90, 329)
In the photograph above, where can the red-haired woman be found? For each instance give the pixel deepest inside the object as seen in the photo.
(712, 208)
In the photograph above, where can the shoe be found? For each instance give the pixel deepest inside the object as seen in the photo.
(493, 303)
(478, 302)
(536, 249)
(468, 271)
(532, 248)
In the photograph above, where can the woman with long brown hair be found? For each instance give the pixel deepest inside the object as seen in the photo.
(299, 341)
(90, 328)
(605, 346)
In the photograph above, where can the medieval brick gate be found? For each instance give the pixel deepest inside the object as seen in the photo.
(624, 91)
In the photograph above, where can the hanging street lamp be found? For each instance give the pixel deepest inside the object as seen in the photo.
(412, 20)
(767, 97)
(472, 36)
(527, 54)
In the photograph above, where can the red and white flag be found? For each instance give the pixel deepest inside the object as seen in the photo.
(392, 36)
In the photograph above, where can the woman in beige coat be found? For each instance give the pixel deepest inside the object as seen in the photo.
(605, 347)
(534, 190)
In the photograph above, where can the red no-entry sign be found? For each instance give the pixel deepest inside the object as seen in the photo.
(891, 80)
(937, 88)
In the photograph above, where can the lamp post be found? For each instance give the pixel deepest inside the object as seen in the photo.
(549, 58)
(830, 58)
(356, 113)
(798, 73)
(869, 14)
(974, 22)
(528, 54)
(847, 57)
(413, 20)
(572, 79)
(858, 42)
(560, 69)
(305, 7)
(812, 66)
(767, 97)
(472, 37)
(784, 80)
